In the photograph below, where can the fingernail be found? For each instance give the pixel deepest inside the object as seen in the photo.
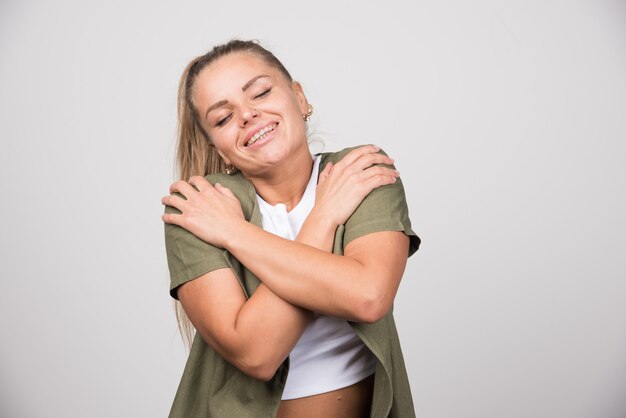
(397, 172)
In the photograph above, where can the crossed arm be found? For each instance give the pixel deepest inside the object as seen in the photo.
(257, 334)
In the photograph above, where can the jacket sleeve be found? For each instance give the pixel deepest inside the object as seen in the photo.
(188, 257)
(384, 209)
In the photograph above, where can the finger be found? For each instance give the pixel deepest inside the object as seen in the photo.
(376, 181)
(356, 153)
(183, 188)
(327, 170)
(379, 170)
(200, 183)
(369, 160)
(170, 218)
(175, 202)
(224, 190)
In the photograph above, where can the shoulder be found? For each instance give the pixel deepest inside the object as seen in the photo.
(336, 156)
(383, 209)
(236, 182)
(241, 187)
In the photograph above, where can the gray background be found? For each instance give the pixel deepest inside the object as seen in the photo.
(507, 122)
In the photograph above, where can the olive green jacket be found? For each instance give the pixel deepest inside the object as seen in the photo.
(213, 388)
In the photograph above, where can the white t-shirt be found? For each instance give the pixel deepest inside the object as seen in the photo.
(329, 355)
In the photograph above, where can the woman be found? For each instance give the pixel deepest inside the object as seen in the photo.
(286, 264)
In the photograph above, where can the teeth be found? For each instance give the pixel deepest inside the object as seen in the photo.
(261, 133)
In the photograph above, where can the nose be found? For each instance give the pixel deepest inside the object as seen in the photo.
(248, 114)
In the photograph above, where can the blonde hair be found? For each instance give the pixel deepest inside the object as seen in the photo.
(195, 154)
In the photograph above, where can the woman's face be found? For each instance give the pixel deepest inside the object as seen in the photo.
(251, 112)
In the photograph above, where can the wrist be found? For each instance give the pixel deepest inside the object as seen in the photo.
(317, 231)
(321, 222)
(233, 232)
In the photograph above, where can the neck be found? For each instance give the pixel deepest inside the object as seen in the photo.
(287, 183)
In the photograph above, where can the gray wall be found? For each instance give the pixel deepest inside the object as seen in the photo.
(507, 121)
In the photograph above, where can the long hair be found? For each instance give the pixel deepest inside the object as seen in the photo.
(196, 155)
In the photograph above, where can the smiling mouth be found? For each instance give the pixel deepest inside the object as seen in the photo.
(261, 134)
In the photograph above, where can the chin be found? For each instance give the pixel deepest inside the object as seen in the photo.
(275, 154)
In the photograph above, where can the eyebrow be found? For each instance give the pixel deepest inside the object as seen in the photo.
(244, 88)
(252, 81)
(215, 106)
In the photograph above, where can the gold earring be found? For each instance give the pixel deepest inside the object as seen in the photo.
(309, 112)
(230, 169)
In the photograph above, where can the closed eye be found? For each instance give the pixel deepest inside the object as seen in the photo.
(223, 121)
(263, 93)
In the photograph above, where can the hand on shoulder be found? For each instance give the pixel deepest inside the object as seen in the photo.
(207, 211)
(343, 185)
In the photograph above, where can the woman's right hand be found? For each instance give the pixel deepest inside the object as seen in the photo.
(207, 211)
(344, 185)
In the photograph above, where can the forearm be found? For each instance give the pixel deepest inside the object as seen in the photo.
(313, 279)
(266, 328)
(314, 233)
(317, 232)
(254, 334)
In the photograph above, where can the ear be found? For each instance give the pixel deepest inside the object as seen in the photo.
(226, 160)
(215, 149)
(303, 103)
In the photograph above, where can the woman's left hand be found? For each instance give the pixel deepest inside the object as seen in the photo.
(344, 185)
(209, 212)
